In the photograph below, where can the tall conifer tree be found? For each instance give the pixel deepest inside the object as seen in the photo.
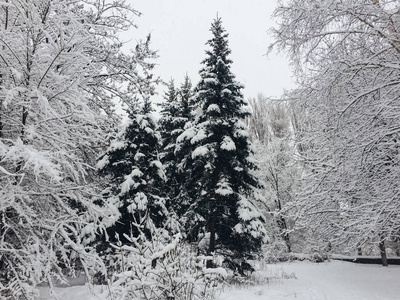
(218, 164)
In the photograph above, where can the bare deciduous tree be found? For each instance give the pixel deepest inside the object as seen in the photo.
(347, 58)
(61, 66)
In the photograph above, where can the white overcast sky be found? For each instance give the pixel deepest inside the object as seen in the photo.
(180, 29)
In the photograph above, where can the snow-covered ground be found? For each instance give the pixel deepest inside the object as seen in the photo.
(334, 280)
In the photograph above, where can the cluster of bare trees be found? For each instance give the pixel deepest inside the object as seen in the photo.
(271, 127)
(346, 56)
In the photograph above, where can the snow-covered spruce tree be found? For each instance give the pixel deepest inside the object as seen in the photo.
(175, 113)
(60, 65)
(170, 109)
(135, 177)
(347, 54)
(218, 161)
(185, 93)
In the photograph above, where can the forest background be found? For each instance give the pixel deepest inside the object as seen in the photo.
(163, 207)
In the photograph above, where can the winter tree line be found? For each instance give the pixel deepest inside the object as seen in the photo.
(166, 208)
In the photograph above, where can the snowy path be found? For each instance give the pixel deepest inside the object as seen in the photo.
(335, 280)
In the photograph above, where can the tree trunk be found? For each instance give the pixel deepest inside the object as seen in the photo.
(1, 75)
(1, 124)
(6, 18)
(282, 225)
(211, 246)
(382, 249)
(397, 249)
(359, 249)
(285, 235)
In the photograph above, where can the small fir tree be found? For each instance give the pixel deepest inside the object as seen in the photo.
(218, 161)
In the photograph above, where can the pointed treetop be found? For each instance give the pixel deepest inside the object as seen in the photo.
(147, 108)
(219, 43)
(186, 88)
(187, 83)
(218, 93)
(171, 93)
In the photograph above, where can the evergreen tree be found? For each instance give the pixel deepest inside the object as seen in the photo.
(169, 112)
(185, 94)
(218, 162)
(176, 112)
(136, 176)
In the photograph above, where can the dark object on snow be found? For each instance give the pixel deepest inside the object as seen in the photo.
(368, 260)
(242, 268)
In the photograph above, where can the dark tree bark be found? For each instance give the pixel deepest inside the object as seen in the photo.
(211, 246)
(397, 246)
(382, 249)
(6, 21)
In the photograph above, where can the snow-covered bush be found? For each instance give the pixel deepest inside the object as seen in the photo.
(162, 268)
(276, 250)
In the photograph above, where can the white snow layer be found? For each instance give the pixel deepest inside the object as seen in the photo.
(228, 144)
(210, 80)
(138, 156)
(129, 181)
(224, 191)
(141, 201)
(116, 145)
(213, 107)
(329, 281)
(224, 188)
(126, 185)
(102, 163)
(199, 151)
(40, 162)
(188, 134)
(201, 135)
(246, 210)
(220, 271)
(226, 91)
(333, 280)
